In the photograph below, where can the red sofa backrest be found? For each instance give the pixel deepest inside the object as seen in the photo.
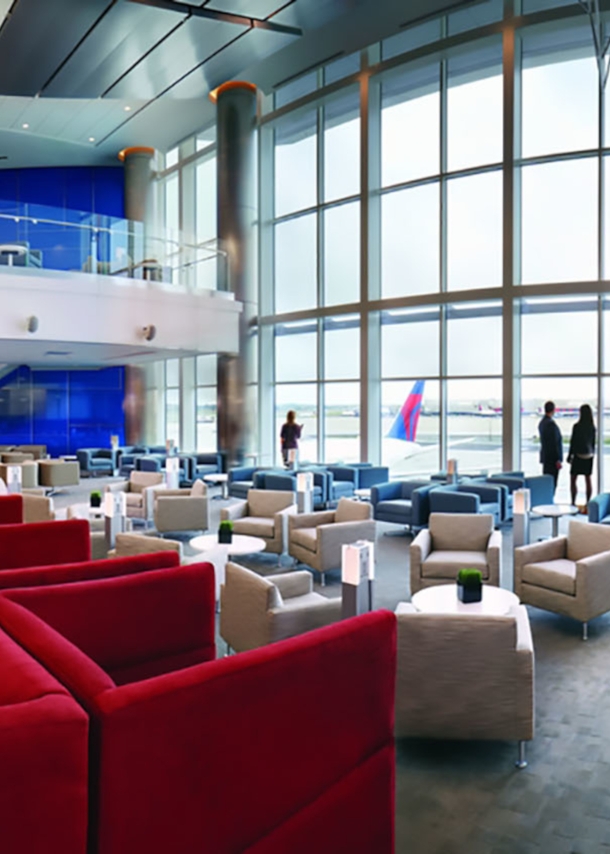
(43, 745)
(11, 509)
(133, 624)
(65, 573)
(44, 543)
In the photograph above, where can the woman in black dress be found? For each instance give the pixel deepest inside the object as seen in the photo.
(582, 451)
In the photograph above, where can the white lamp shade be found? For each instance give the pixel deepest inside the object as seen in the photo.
(115, 504)
(172, 465)
(521, 501)
(114, 441)
(357, 562)
(13, 478)
(304, 481)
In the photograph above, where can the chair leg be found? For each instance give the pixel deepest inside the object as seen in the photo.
(585, 631)
(322, 579)
(521, 761)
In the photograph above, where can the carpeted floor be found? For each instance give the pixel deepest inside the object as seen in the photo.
(467, 797)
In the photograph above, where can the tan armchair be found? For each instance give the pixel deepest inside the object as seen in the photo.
(567, 575)
(316, 539)
(140, 493)
(465, 677)
(452, 542)
(127, 545)
(38, 508)
(256, 611)
(55, 474)
(182, 509)
(264, 514)
(29, 474)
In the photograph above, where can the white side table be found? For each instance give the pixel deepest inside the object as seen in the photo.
(555, 512)
(443, 599)
(219, 479)
(363, 494)
(12, 251)
(218, 553)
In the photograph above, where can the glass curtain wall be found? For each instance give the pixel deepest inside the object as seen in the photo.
(427, 224)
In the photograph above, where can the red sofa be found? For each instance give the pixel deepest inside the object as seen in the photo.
(287, 749)
(43, 543)
(43, 759)
(11, 509)
(64, 573)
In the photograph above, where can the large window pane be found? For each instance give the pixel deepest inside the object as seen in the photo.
(474, 121)
(172, 372)
(410, 343)
(342, 422)
(296, 352)
(303, 400)
(206, 369)
(172, 206)
(206, 419)
(559, 336)
(342, 254)
(172, 415)
(474, 424)
(559, 222)
(410, 126)
(474, 231)
(474, 339)
(421, 455)
(342, 348)
(205, 180)
(342, 147)
(295, 264)
(410, 241)
(295, 163)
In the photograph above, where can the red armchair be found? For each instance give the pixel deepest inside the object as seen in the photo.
(11, 509)
(43, 543)
(43, 756)
(288, 748)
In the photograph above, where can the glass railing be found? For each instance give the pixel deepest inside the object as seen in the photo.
(49, 238)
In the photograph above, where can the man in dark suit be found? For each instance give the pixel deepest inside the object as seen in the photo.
(551, 445)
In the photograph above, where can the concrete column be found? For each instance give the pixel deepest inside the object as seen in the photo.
(138, 184)
(236, 205)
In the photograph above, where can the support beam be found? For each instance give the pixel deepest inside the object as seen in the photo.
(223, 17)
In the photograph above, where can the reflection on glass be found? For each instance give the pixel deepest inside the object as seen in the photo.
(559, 222)
(474, 122)
(422, 455)
(295, 264)
(303, 399)
(474, 424)
(410, 227)
(206, 418)
(474, 231)
(342, 422)
(559, 335)
(342, 148)
(296, 352)
(342, 254)
(410, 343)
(295, 163)
(474, 339)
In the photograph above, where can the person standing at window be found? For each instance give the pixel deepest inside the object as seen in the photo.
(289, 438)
(551, 444)
(582, 451)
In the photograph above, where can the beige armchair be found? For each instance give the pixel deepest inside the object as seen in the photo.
(452, 542)
(465, 677)
(140, 493)
(38, 508)
(256, 611)
(29, 474)
(55, 474)
(316, 538)
(567, 575)
(127, 545)
(264, 514)
(182, 509)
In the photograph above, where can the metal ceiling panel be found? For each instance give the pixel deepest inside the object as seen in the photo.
(37, 38)
(251, 8)
(191, 44)
(119, 41)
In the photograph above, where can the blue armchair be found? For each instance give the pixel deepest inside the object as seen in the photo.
(156, 463)
(96, 461)
(241, 479)
(541, 487)
(405, 502)
(599, 508)
(362, 475)
(468, 498)
(287, 481)
(202, 464)
(126, 458)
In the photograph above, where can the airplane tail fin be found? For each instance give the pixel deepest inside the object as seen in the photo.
(405, 423)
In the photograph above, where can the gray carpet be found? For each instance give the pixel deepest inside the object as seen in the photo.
(467, 797)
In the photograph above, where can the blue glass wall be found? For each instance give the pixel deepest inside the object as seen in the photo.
(63, 409)
(95, 189)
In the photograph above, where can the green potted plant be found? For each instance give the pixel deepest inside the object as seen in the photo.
(470, 585)
(95, 499)
(225, 531)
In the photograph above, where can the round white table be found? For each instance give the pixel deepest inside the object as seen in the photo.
(218, 553)
(221, 480)
(443, 599)
(555, 512)
(363, 494)
(12, 251)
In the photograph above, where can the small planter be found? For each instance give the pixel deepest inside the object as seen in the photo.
(95, 499)
(225, 536)
(468, 593)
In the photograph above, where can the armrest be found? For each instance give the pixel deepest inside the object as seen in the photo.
(386, 492)
(598, 507)
(485, 492)
(524, 631)
(494, 558)
(310, 520)
(293, 583)
(494, 542)
(405, 608)
(593, 581)
(421, 545)
(234, 511)
(553, 549)
(117, 487)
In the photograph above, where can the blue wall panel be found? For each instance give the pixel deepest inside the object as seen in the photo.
(63, 409)
(94, 189)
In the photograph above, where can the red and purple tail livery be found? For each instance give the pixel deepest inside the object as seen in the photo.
(405, 423)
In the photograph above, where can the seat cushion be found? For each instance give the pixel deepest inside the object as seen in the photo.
(305, 537)
(295, 603)
(133, 499)
(557, 575)
(255, 526)
(446, 564)
(401, 507)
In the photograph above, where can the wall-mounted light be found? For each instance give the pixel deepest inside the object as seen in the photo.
(32, 323)
(149, 331)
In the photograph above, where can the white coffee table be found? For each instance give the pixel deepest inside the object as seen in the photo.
(555, 512)
(443, 599)
(218, 553)
(363, 494)
(221, 480)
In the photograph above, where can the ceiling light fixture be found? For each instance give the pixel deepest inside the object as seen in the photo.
(91, 139)
(25, 125)
(127, 109)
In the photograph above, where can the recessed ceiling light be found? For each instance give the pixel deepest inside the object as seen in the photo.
(25, 125)
(91, 139)
(127, 109)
